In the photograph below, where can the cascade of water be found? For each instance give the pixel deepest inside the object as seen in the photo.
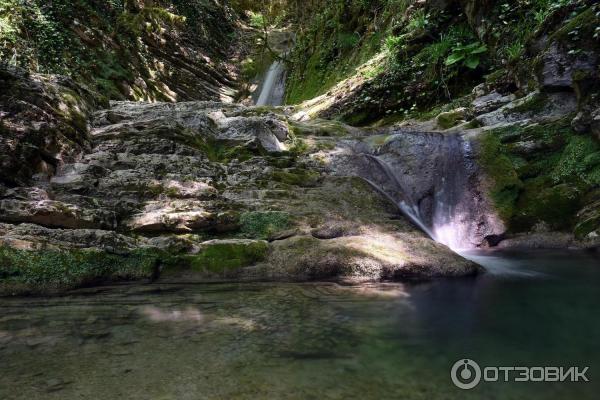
(451, 195)
(446, 217)
(406, 204)
(273, 87)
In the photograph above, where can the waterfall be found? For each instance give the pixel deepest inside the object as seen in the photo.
(433, 179)
(452, 196)
(405, 202)
(273, 86)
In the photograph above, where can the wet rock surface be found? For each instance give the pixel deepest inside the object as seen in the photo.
(177, 177)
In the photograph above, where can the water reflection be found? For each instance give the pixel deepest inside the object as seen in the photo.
(288, 341)
(156, 314)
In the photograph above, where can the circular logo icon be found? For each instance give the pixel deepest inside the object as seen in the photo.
(465, 374)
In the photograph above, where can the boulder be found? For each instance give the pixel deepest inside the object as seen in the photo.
(490, 102)
(558, 68)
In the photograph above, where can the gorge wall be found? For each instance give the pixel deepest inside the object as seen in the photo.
(485, 143)
(520, 80)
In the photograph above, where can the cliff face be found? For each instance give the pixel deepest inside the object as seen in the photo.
(521, 79)
(126, 49)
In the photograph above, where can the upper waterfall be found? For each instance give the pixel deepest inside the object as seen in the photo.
(272, 91)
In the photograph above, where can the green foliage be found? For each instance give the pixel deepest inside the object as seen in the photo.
(514, 51)
(257, 20)
(263, 224)
(338, 37)
(394, 44)
(467, 55)
(102, 44)
(580, 160)
(44, 270)
(418, 21)
(548, 185)
(249, 69)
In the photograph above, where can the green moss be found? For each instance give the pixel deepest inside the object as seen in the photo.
(546, 185)
(222, 151)
(49, 270)
(318, 127)
(540, 202)
(498, 166)
(296, 177)
(227, 256)
(581, 27)
(447, 120)
(535, 104)
(330, 52)
(263, 224)
(579, 161)
(298, 146)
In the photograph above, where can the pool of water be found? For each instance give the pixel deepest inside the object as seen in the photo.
(309, 341)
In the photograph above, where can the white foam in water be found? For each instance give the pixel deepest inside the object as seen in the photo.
(499, 265)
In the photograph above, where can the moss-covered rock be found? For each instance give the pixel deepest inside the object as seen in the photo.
(47, 271)
(542, 173)
(296, 177)
(225, 257)
(449, 119)
(499, 168)
(264, 224)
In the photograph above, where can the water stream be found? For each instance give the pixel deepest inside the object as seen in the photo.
(272, 88)
(433, 179)
(310, 341)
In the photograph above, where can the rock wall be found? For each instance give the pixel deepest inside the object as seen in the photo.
(523, 84)
(138, 50)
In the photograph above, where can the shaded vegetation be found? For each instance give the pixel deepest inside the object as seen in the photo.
(119, 48)
(548, 185)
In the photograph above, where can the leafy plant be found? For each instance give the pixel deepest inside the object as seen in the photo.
(514, 51)
(394, 43)
(468, 55)
(419, 20)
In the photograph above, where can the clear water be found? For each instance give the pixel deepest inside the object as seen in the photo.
(309, 341)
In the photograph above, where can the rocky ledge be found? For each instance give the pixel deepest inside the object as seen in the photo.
(206, 191)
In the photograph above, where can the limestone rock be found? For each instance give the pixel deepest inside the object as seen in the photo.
(452, 118)
(486, 103)
(55, 214)
(558, 67)
(34, 237)
(175, 216)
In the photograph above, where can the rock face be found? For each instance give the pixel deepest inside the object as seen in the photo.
(559, 69)
(140, 50)
(203, 184)
(435, 179)
(43, 124)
